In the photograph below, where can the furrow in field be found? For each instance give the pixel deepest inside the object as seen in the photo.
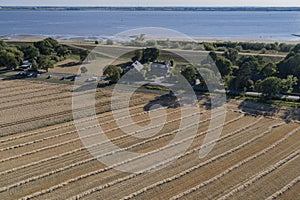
(242, 173)
(284, 189)
(120, 180)
(33, 96)
(124, 136)
(292, 159)
(144, 178)
(16, 86)
(119, 164)
(25, 91)
(100, 117)
(66, 113)
(107, 123)
(49, 147)
(239, 174)
(196, 167)
(193, 168)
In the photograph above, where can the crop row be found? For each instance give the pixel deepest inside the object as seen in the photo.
(284, 189)
(159, 165)
(86, 128)
(70, 141)
(243, 162)
(24, 92)
(129, 160)
(119, 164)
(33, 96)
(84, 161)
(201, 164)
(61, 97)
(45, 100)
(80, 149)
(103, 115)
(60, 114)
(262, 174)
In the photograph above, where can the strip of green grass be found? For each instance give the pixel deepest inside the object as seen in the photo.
(274, 102)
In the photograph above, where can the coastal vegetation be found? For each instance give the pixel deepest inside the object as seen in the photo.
(41, 55)
(239, 71)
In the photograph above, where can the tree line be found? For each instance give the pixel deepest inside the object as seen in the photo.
(42, 54)
(237, 72)
(254, 73)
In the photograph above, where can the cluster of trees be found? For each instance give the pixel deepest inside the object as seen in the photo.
(114, 73)
(273, 85)
(42, 54)
(10, 56)
(254, 73)
(146, 55)
(252, 46)
(211, 46)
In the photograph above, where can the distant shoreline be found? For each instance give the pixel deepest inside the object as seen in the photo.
(33, 38)
(166, 8)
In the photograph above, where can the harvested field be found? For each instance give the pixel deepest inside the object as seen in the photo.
(43, 156)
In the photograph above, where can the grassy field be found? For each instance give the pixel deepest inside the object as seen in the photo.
(43, 157)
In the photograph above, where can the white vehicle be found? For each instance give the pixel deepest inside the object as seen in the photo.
(92, 79)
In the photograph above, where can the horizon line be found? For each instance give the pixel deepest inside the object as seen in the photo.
(156, 6)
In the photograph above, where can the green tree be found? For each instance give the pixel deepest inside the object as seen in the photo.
(213, 55)
(7, 59)
(83, 70)
(62, 51)
(231, 54)
(45, 62)
(208, 47)
(30, 52)
(113, 72)
(289, 83)
(150, 54)
(224, 66)
(189, 74)
(269, 70)
(296, 49)
(10, 57)
(83, 55)
(138, 55)
(283, 47)
(34, 65)
(270, 86)
(290, 66)
(47, 46)
(255, 63)
(19, 56)
(243, 77)
(2, 43)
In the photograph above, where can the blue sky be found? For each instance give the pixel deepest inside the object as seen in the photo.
(150, 3)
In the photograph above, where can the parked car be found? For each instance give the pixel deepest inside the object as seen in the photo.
(92, 79)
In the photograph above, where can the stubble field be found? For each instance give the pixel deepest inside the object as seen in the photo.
(43, 157)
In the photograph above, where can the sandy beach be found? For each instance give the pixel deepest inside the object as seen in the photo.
(32, 38)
